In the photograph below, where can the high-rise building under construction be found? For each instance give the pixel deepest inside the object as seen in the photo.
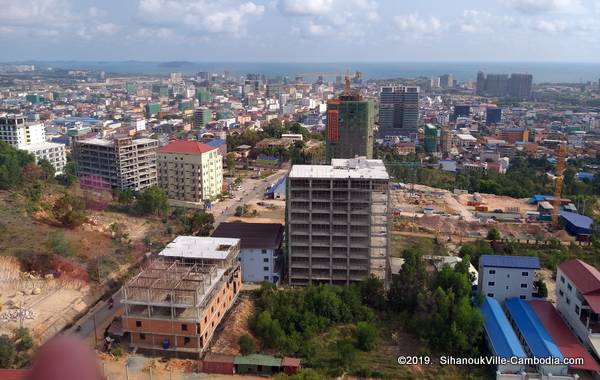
(350, 123)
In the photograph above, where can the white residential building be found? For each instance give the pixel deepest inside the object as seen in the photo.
(578, 300)
(504, 277)
(260, 249)
(52, 152)
(15, 130)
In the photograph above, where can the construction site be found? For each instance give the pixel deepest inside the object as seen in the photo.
(175, 304)
(458, 215)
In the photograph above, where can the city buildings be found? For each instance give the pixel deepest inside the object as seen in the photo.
(398, 111)
(190, 172)
(202, 116)
(350, 123)
(338, 222)
(261, 255)
(31, 137)
(516, 85)
(124, 163)
(504, 277)
(176, 303)
(513, 135)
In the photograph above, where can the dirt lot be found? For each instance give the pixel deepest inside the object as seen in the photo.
(236, 323)
(270, 211)
(44, 305)
(451, 216)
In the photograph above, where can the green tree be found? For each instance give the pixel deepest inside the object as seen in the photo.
(70, 210)
(241, 210)
(12, 164)
(47, 169)
(152, 201)
(366, 336)
(200, 223)
(493, 234)
(7, 352)
(408, 284)
(246, 344)
(540, 285)
(23, 340)
(124, 197)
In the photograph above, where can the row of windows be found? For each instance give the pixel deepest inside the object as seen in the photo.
(492, 283)
(493, 271)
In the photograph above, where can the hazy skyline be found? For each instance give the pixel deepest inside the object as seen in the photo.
(301, 30)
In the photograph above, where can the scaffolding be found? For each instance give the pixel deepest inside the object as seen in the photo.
(172, 284)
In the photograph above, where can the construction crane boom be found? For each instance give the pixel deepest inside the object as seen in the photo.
(560, 169)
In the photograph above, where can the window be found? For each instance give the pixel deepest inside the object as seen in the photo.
(524, 286)
(266, 278)
(138, 323)
(491, 283)
(266, 269)
(491, 295)
(577, 309)
(561, 293)
(186, 340)
(492, 271)
(184, 327)
(569, 287)
(143, 336)
(562, 279)
(568, 301)
(266, 260)
(264, 251)
(522, 297)
(524, 274)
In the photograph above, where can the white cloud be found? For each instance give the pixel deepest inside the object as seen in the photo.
(210, 16)
(306, 7)
(343, 19)
(543, 6)
(474, 21)
(31, 13)
(417, 26)
(107, 28)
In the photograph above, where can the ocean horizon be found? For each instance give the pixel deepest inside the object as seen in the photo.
(555, 72)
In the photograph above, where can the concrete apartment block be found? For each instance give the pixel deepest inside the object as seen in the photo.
(338, 222)
(175, 304)
(190, 172)
(15, 130)
(124, 163)
(52, 152)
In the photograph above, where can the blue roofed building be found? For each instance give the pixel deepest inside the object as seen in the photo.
(585, 176)
(577, 225)
(220, 144)
(277, 190)
(536, 340)
(504, 277)
(537, 198)
(500, 336)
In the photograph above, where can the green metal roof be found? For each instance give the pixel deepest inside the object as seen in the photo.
(257, 359)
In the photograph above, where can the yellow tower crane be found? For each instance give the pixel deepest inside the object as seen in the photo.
(560, 169)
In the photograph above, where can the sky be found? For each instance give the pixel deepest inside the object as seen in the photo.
(301, 30)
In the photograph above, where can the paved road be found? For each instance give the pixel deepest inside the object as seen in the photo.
(252, 189)
(97, 317)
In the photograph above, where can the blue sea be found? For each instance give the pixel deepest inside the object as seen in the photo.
(542, 72)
